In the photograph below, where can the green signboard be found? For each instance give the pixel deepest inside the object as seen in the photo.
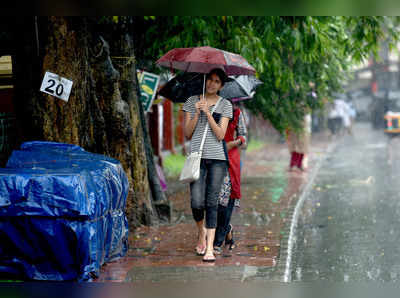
(148, 83)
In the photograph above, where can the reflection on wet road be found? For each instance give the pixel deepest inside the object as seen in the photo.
(348, 229)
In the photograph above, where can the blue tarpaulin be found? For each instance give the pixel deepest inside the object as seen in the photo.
(61, 212)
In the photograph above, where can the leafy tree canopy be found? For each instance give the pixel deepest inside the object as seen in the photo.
(290, 53)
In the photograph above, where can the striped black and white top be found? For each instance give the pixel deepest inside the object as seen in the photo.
(213, 149)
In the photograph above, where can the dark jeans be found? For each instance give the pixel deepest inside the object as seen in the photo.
(224, 219)
(205, 191)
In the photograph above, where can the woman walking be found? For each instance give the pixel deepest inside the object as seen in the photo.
(230, 195)
(214, 163)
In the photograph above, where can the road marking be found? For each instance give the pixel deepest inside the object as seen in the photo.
(293, 225)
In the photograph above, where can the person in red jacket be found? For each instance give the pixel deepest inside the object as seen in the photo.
(235, 138)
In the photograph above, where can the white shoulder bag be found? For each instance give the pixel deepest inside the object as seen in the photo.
(191, 167)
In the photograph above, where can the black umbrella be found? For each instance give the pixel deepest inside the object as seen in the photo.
(240, 88)
(187, 84)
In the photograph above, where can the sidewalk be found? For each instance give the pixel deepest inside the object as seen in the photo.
(270, 192)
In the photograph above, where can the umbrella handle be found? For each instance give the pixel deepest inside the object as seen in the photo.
(204, 85)
(204, 88)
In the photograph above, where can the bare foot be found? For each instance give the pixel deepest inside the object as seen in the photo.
(201, 243)
(209, 257)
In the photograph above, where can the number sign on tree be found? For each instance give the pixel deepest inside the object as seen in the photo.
(57, 86)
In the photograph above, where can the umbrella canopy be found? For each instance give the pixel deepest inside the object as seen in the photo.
(204, 59)
(184, 85)
(240, 88)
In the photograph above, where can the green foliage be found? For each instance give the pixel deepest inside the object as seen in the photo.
(288, 53)
(173, 164)
(254, 145)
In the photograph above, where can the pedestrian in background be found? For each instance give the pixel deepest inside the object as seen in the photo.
(298, 143)
(335, 117)
(307, 128)
(353, 115)
(235, 139)
(204, 192)
(349, 115)
(307, 137)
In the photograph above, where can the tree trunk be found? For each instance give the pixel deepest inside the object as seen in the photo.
(103, 113)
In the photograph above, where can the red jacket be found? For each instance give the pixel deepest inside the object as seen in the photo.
(234, 155)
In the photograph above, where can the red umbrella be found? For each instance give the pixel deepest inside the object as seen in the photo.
(204, 59)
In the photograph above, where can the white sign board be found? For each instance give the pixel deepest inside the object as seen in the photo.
(57, 86)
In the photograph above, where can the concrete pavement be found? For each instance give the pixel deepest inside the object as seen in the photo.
(261, 225)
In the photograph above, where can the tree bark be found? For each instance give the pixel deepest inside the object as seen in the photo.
(103, 113)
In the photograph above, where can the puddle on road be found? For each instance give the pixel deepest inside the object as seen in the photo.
(279, 185)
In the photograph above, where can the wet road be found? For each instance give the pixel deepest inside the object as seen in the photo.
(349, 225)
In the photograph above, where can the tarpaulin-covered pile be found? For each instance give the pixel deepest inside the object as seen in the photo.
(61, 212)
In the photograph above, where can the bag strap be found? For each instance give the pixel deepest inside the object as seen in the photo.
(206, 129)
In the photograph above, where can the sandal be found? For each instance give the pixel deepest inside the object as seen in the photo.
(210, 258)
(200, 250)
(217, 250)
(230, 242)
